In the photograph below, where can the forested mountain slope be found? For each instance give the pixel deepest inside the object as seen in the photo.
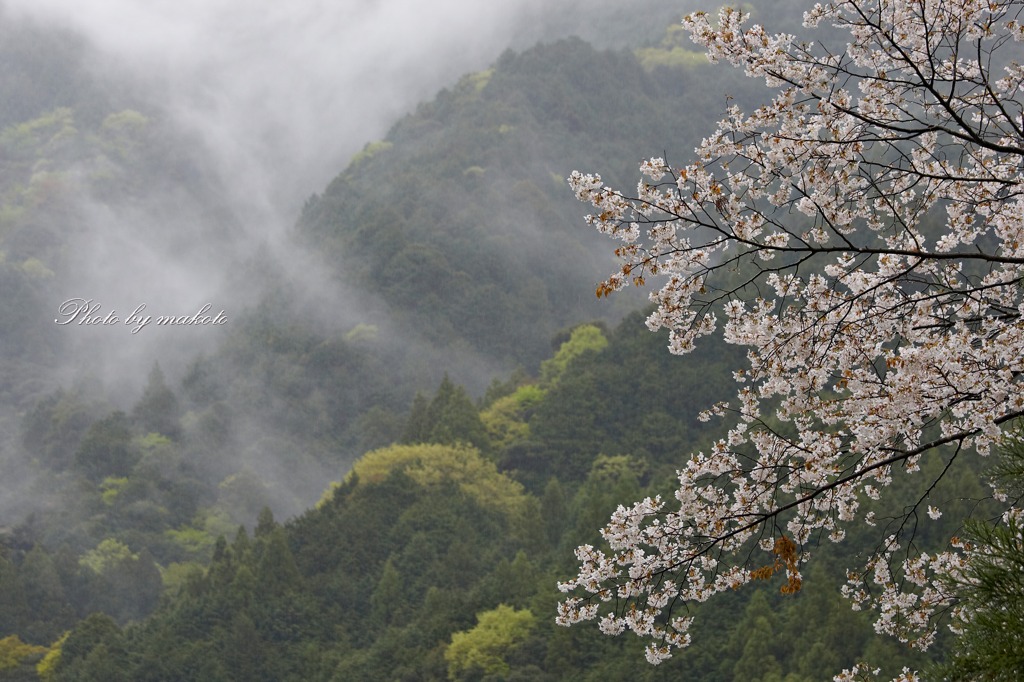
(141, 542)
(454, 244)
(115, 488)
(85, 164)
(460, 219)
(433, 560)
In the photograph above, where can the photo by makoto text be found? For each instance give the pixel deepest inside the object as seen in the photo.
(86, 312)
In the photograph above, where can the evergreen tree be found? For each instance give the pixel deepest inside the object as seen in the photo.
(106, 449)
(454, 418)
(44, 595)
(95, 631)
(753, 643)
(418, 426)
(13, 605)
(158, 410)
(449, 417)
(265, 523)
(387, 601)
(276, 572)
(245, 651)
(991, 587)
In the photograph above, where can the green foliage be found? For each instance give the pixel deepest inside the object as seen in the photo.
(88, 652)
(54, 427)
(157, 411)
(673, 52)
(452, 418)
(35, 268)
(177, 574)
(123, 132)
(385, 577)
(281, 387)
(437, 557)
(594, 410)
(44, 134)
(612, 478)
(111, 487)
(44, 590)
(276, 571)
(673, 57)
(584, 338)
(105, 450)
(991, 589)
(124, 585)
(507, 418)
(418, 426)
(193, 541)
(483, 648)
(369, 151)
(240, 498)
(47, 666)
(757, 662)
(46, 69)
(387, 603)
(478, 250)
(362, 333)
(479, 80)
(106, 556)
(14, 653)
(434, 465)
(13, 608)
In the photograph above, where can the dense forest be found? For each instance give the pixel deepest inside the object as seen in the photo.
(435, 556)
(380, 467)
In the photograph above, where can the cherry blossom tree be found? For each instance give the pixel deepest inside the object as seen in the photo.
(862, 234)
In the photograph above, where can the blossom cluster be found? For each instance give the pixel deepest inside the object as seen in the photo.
(862, 235)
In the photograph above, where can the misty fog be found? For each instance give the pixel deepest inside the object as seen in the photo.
(256, 108)
(277, 98)
(245, 245)
(283, 95)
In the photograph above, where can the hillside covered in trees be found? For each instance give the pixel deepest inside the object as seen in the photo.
(379, 468)
(437, 556)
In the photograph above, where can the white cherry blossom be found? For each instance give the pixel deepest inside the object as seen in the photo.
(862, 235)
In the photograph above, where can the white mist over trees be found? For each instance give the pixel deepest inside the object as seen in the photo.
(171, 147)
(862, 235)
(241, 113)
(285, 94)
(159, 153)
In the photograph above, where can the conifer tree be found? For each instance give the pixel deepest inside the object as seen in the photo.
(990, 586)
(158, 410)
